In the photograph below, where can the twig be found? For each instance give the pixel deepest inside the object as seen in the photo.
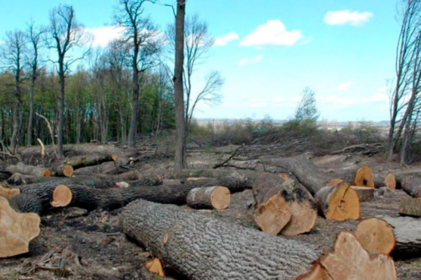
(228, 159)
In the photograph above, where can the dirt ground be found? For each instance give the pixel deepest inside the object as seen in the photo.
(101, 251)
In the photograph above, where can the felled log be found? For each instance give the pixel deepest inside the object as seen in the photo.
(365, 194)
(85, 162)
(92, 198)
(30, 170)
(16, 230)
(350, 261)
(217, 197)
(376, 236)
(410, 207)
(389, 181)
(249, 175)
(65, 170)
(283, 206)
(364, 178)
(407, 232)
(412, 186)
(201, 247)
(339, 202)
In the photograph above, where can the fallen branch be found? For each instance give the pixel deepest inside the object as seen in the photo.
(229, 158)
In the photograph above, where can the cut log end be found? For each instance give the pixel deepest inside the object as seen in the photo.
(220, 198)
(62, 196)
(194, 179)
(114, 157)
(334, 182)
(47, 173)
(364, 177)
(8, 193)
(67, 170)
(376, 236)
(350, 261)
(16, 230)
(155, 266)
(390, 181)
(270, 217)
(339, 202)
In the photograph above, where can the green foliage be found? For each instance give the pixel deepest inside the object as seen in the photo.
(307, 109)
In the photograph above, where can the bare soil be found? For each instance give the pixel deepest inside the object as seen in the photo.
(102, 251)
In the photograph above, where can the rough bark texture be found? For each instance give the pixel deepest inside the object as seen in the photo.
(29, 170)
(410, 207)
(412, 186)
(85, 162)
(209, 198)
(407, 232)
(201, 247)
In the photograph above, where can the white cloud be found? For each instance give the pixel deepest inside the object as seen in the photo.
(344, 86)
(105, 34)
(247, 60)
(354, 18)
(224, 40)
(273, 33)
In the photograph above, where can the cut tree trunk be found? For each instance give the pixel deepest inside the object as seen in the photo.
(350, 261)
(407, 232)
(201, 247)
(389, 181)
(283, 206)
(30, 170)
(91, 198)
(85, 162)
(364, 193)
(338, 202)
(249, 175)
(65, 170)
(376, 236)
(364, 178)
(410, 207)
(16, 230)
(218, 198)
(412, 186)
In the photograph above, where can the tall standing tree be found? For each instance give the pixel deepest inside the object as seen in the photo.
(142, 36)
(180, 149)
(12, 56)
(66, 34)
(34, 38)
(404, 93)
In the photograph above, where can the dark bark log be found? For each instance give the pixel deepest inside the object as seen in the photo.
(26, 203)
(65, 170)
(92, 198)
(201, 247)
(412, 186)
(407, 232)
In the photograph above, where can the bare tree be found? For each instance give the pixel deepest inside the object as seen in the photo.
(66, 34)
(142, 36)
(402, 107)
(12, 56)
(35, 39)
(180, 148)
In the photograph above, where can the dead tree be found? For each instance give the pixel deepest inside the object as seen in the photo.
(66, 34)
(141, 36)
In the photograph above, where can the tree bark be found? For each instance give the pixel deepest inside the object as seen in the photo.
(209, 198)
(180, 145)
(412, 186)
(85, 162)
(29, 170)
(410, 207)
(201, 247)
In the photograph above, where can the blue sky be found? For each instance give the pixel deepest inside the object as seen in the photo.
(268, 51)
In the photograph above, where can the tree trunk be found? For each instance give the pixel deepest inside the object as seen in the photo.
(29, 170)
(85, 162)
(31, 111)
(180, 145)
(218, 198)
(412, 186)
(201, 247)
(61, 108)
(410, 207)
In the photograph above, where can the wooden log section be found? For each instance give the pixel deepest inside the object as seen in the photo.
(155, 266)
(16, 230)
(339, 202)
(8, 193)
(364, 178)
(365, 194)
(412, 186)
(350, 261)
(65, 170)
(201, 247)
(218, 198)
(389, 181)
(30, 170)
(410, 207)
(248, 175)
(283, 207)
(62, 196)
(376, 236)
(92, 198)
(85, 162)
(407, 233)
